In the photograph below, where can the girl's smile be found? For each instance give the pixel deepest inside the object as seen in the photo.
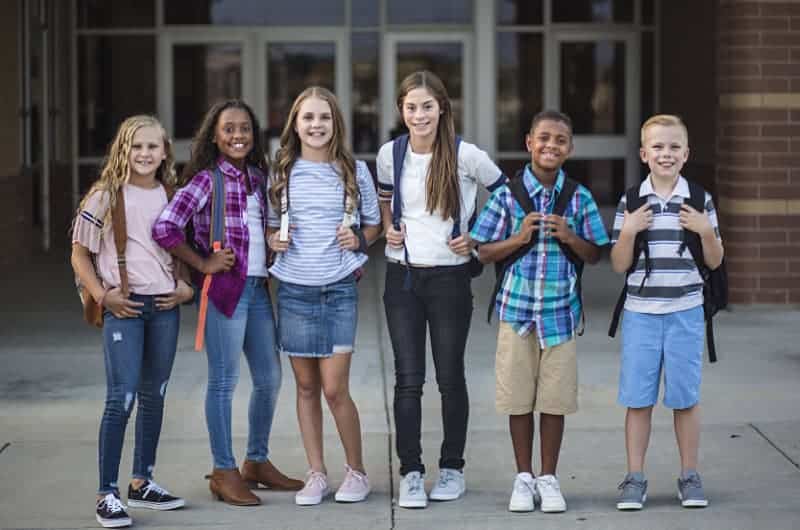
(233, 135)
(314, 128)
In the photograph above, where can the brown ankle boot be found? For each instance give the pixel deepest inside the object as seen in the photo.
(227, 485)
(267, 476)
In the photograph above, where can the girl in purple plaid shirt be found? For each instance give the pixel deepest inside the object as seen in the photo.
(240, 314)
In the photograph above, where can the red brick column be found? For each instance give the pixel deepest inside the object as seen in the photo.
(758, 150)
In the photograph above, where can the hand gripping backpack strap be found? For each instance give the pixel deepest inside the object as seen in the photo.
(216, 241)
(633, 201)
(120, 227)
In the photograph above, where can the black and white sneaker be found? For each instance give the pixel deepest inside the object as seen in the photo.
(111, 512)
(151, 495)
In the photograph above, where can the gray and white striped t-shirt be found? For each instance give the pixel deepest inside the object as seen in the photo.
(316, 208)
(674, 283)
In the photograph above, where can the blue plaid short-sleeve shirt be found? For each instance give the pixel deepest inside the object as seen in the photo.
(540, 292)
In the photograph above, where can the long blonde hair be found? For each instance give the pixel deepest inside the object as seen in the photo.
(338, 152)
(116, 165)
(441, 184)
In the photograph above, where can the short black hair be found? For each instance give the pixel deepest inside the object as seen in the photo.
(552, 115)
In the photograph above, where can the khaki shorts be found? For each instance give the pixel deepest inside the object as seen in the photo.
(529, 378)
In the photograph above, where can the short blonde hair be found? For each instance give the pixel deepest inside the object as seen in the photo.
(665, 120)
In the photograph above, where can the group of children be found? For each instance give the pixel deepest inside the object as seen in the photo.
(307, 219)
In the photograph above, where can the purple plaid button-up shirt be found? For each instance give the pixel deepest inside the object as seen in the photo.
(193, 201)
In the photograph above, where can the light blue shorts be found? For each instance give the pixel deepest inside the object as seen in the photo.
(317, 321)
(672, 340)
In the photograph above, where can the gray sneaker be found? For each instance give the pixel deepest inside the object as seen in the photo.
(690, 490)
(633, 492)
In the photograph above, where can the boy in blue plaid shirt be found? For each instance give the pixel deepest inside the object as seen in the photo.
(538, 304)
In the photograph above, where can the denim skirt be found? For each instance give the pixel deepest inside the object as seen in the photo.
(317, 321)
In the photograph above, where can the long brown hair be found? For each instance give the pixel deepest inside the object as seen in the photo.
(339, 154)
(204, 152)
(116, 165)
(441, 184)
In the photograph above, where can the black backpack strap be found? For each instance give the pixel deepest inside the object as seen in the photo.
(568, 189)
(633, 201)
(399, 147)
(520, 195)
(457, 217)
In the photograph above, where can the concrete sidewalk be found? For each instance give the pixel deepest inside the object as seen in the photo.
(52, 389)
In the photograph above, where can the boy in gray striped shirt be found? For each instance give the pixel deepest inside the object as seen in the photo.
(663, 323)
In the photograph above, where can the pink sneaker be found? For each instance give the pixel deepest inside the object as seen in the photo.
(355, 487)
(314, 491)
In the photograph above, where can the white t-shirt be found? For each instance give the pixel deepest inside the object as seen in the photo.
(427, 235)
(257, 251)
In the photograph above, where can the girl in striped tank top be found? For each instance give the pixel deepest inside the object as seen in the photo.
(324, 217)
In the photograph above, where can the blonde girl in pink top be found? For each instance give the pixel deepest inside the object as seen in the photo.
(140, 331)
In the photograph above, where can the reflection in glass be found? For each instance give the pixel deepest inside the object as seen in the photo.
(428, 12)
(202, 75)
(604, 178)
(519, 87)
(364, 13)
(109, 89)
(593, 11)
(445, 59)
(593, 86)
(366, 109)
(647, 72)
(291, 68)
(648, 12)
(250, 13)
(116, 14)
(520, 12)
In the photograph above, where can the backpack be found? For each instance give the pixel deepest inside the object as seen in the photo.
(398, 157)
(520, 194)
(715, 282)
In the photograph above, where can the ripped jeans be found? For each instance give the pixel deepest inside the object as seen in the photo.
(139, 353)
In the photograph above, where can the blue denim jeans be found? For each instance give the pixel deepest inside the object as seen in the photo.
(139, 353)
(251, 329)
(440, 300)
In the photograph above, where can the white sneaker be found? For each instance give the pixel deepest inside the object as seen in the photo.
(450, 486)
(550, 492)
(412, 491)
(523, 493)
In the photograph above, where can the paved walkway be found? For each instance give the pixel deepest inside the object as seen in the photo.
(52, 388)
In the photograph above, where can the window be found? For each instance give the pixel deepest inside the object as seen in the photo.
(519, 87)
(255, 13)
(428, 12)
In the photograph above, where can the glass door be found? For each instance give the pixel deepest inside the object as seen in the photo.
(293, 60)
(196, 69)
(594, 78)
(267, 67)
(448, 55)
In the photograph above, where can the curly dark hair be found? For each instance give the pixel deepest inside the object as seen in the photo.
(204, 151)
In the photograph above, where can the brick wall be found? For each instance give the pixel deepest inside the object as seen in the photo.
(758, 148)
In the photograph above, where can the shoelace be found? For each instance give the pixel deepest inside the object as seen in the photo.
(630, 482)
(445, 477)
(549, 485)
(415, 484)
(315, 477)
(155, 488)
(353, 476)
(113, 504)
(691, 481)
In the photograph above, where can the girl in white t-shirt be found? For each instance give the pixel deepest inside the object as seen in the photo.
(329, 208)
(140, 327)
(428, 276)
